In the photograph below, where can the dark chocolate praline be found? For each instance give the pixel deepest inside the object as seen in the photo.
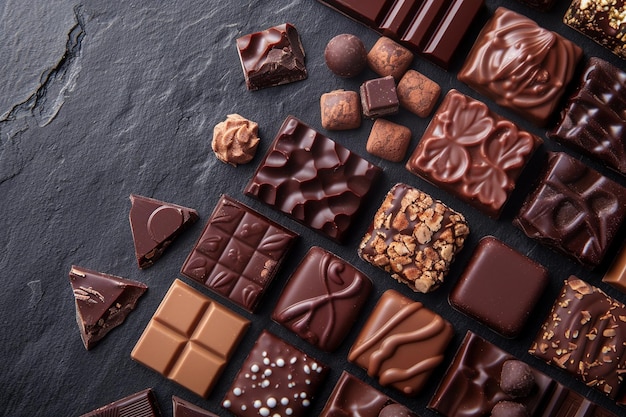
(345, 55)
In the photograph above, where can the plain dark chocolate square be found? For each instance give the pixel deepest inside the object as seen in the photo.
(499, 287)
(379, 97)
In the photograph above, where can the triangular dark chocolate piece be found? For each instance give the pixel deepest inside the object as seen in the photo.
(155, 224)
(184, 408)
(102, 302)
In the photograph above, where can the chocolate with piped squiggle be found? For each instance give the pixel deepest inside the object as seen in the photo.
(520, 65)
(594, 121)
(575, 210)
(473, 153)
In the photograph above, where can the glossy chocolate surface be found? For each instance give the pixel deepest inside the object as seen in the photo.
(401, 343)
(322, 299)
(238, 253)
(499, 287)
(272, 57)
(276, 379)
(294, 174)
(616, 274)
(140, 404)
(433, 29)
(594, 121)
(155, 224)
(471, 387)
(102, 301)
(585, 334)
(379, 97)
(574, 210)
(473, 153)
(182, 408)
(520, 65)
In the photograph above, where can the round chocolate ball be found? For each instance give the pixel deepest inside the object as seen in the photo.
(516, 378)
(345, 55)
(396, 410)
(509, 409)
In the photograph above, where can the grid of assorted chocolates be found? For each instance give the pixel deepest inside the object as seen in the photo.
(468, 150)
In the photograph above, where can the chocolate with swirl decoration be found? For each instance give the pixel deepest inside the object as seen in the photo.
(520, 65)
(401, 343)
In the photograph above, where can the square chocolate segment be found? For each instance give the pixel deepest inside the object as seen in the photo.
(401, 343)
(520, 65)
(472, 387)
(272, 57)
(238, 253)
(594, 121)
(190, 338)
(575, 210)
(144, 401)
(600, 20)
(472, 153)
(352, 397)
(275, 379)
(341, 110)
(322, 299)
(585, 334)
(499, 287)
(414, 238)
(379, 97)
(296, 174)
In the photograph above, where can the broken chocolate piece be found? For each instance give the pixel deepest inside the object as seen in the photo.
(141, 404)
(184, 408)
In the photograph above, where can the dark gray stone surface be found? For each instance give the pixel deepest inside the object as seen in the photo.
(102, 99)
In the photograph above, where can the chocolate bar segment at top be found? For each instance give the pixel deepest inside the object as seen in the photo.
(313, 179)
(432, 28)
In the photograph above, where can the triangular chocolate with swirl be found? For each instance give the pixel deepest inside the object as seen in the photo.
(155, 224)
(102, 302)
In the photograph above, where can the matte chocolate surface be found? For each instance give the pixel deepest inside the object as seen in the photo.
(141, 404)
(602, 21)
(352, 397)
(184, 408)
(388, 57)
(293, 176)
(235, 140)
(414, 237)
(585, 334)
(388, 140)
(499, 287)
(520, 65)
(155, 224)
(102, 301)
(574, 209)
(345, 55)
(341, 110)
(379, 97)
(433, 29)
(471, 387)
(418, 93)
(594, 121)
(238, 253)
(473, 153)
(190, 338)
(543, 5)
(401, 343)
(322, 299)
(272, 57)
(276, 379)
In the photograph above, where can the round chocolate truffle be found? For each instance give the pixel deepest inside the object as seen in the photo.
(345, 55)
(509, 409)
(516, 378)
(396, 410)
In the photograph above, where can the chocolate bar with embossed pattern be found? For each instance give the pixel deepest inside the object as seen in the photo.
(140, 404)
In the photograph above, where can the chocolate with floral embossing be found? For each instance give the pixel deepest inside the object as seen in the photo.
(313, 179)
(322, 299)
(414, 237)
(575, 210)
(594, 121)
(585, 334)
(238, 253)
(401, 343)
(473, 153)
(521, 65)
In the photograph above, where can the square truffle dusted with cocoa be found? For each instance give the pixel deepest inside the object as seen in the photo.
(379, 97)
(585, 334)
(388, 140)
(520, 65)
(418, 93)
(341, 110)
(472, 153)
(499, 287)
(414, 237)
(401, 343)
(388, 57)
(575, 210)
(594, 121)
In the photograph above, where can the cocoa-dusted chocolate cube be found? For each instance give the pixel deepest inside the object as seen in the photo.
(340, 110)
(389, 58)
(379, 97)
(418, 93)
(414, 237)
(388, 140)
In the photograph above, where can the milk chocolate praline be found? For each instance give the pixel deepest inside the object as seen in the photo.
(345, 55)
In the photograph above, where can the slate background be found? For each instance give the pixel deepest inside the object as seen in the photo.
(102, 99)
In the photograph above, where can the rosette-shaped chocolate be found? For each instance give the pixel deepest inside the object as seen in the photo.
(235, 140)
